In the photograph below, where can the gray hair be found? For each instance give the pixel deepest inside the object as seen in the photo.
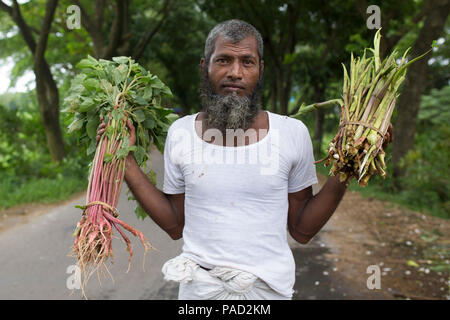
(235, 30)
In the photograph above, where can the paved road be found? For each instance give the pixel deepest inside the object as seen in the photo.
(34, 261)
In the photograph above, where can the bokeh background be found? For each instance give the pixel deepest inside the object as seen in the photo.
(305, 43)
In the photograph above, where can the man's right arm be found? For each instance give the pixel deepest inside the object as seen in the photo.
(167, 210)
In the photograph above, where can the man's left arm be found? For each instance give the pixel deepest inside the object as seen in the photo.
(308, 214)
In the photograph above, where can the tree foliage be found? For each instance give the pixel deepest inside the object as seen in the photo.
(305, 43)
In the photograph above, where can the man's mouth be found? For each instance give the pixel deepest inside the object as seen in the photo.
(232, 87)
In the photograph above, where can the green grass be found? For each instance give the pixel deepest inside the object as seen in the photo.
(41, 190)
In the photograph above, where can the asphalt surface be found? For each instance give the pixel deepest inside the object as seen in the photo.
(34, 259)
(34, 256)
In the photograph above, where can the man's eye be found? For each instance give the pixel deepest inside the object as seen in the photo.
(221, 60)
(248, 62)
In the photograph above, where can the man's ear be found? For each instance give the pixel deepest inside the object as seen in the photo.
(202, 64)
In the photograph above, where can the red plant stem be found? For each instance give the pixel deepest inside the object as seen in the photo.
(112, 178)
(122, 175)
(96, 169)
(106, 173)
(94, 193)
(128, 242)
(127, 227)
(93, 242)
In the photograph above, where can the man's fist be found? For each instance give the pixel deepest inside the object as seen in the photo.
(102, 127)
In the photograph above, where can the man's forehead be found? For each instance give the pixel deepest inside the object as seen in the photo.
(248, 46)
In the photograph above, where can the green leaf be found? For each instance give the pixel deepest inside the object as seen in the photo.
(122, 153)
(148, 92)
(87, 105)
(147, 79)
(109, 131)
(139, 115)
(163, 125)
(140, 213)
(126, 143)
(133, 148)
(124, 149)
(157, 84)
(149, 123)
(162, 112)
(140, 100)
(72, 103)
(91, 84)
(151, 175)
(106, 86)
(119, 74)
(167, 91)
(440, 268)
(121, 59)
(172, 117)
(85, 63)
(92, 126)
(289, 58)
(113, 95)
(434, 44)
(117, 115)
(92, 147)
(159, 143)
(78, 80)
(107, 157)
(412, 263)
(75, 125)
(139, 155)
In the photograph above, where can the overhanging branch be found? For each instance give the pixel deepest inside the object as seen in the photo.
(45, 29)
(146, 40)
(5, 7)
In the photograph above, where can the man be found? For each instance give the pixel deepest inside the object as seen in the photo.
(232, 214)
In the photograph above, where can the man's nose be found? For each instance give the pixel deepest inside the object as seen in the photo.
(235, 71)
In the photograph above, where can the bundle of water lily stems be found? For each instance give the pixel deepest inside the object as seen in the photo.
(370, 91)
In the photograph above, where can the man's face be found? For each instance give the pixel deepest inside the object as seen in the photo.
(231, 86)
(234, 67)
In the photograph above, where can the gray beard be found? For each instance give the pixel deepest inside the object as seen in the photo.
(230, 111)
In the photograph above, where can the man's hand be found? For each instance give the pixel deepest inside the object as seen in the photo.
(102, 127)
(388, 137)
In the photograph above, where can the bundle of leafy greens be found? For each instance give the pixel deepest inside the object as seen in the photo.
(116, 91)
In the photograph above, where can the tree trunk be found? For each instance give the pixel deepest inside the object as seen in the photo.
(280, 91)
(273, 96)
(287, 89)
(46, 89)
(48, 101)
(409, 102)
(319, 117)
